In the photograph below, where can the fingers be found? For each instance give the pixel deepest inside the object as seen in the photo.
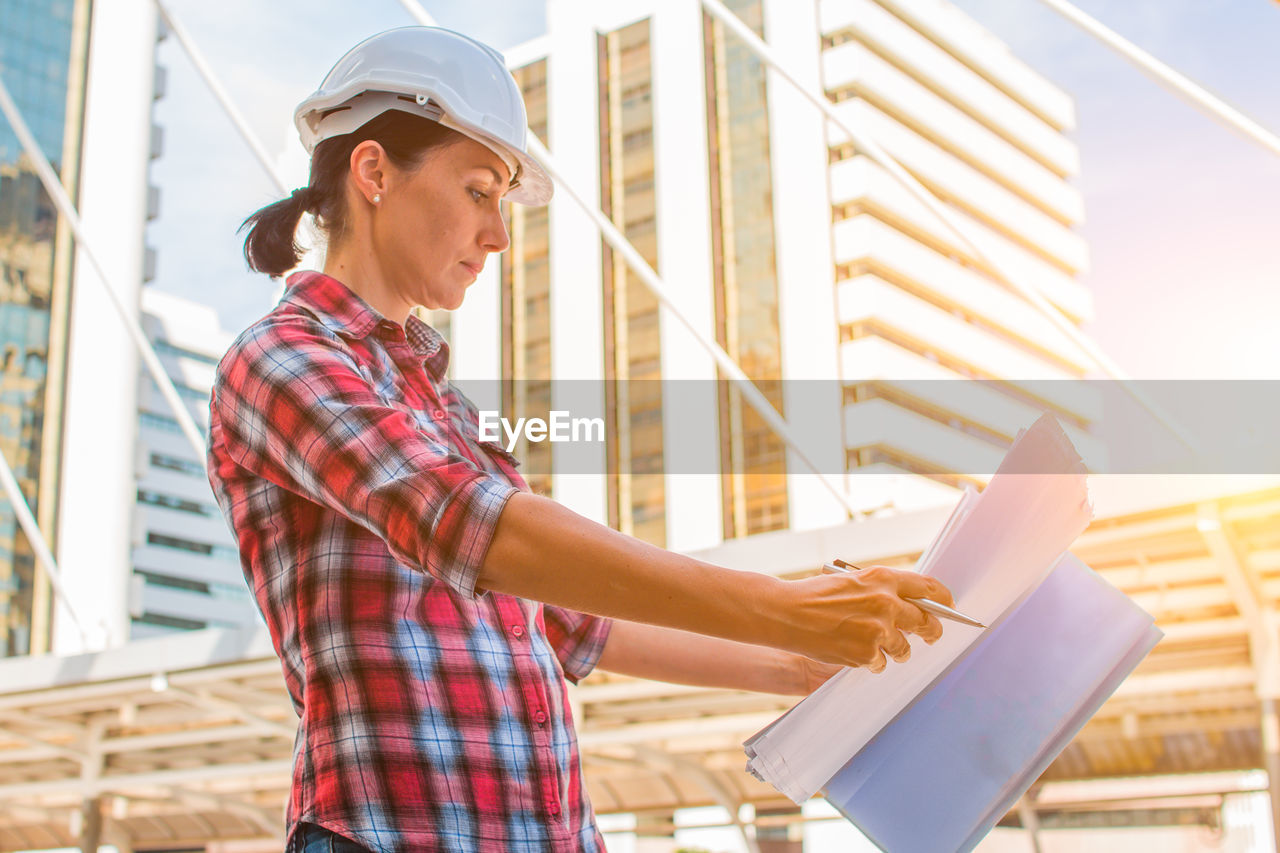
(897, 646)
(892, 645)
(912, 585)
(873, 617)
(932, 630)
(913, 619)
(939, 592)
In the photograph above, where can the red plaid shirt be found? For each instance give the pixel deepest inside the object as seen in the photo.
(431, 717)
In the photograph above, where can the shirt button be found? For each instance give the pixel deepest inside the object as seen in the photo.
(517, 630)
(540, 717)
(438, 414)
(554, 808)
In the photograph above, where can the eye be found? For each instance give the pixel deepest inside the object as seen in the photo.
(476, 195)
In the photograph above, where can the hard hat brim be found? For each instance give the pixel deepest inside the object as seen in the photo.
(535, 187)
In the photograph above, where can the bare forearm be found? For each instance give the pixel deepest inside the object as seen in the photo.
(546, 552)
(664, 654)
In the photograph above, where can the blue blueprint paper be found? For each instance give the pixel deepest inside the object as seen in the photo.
(950, 766)
(995, 549)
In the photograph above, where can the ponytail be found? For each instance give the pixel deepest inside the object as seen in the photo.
(271, 246)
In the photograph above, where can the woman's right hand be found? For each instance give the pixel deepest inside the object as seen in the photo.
(859, 618)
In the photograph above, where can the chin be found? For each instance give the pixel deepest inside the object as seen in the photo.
(449, 301)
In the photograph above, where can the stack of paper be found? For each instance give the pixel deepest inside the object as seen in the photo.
(969, 723)
(972, 745)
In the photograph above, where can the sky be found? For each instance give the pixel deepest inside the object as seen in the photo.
(1178, 207)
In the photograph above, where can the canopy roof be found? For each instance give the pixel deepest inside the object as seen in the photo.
(188, 737)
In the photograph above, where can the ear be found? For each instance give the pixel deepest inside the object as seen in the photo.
(369, 169)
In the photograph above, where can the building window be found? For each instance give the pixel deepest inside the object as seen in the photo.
(187, 392)
(181, 504)
(172, 582)
(744, 269)
(165, 621)
(633, 393)
(163, 347)
(173, 463)
(526, 302)
(204, 548)
(213, 589)
(160, 422)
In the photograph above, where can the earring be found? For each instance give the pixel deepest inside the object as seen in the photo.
(377, 198)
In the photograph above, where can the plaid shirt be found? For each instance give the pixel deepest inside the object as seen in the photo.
(433, 716)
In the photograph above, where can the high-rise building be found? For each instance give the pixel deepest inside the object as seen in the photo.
(822, 276)
(82, 77)
(186, 567)
(985, 134)
(43, 59)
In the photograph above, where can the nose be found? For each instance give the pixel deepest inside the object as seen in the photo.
(494, 238)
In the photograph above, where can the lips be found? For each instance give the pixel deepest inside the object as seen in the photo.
(474, 268)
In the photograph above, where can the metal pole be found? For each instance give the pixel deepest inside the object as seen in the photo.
(224, 100)
(90, 774)
(866, 144)
(91, 825)
(59, 196)
(34, 535)
(1178, 83)
(1030, 822)
(419, 14)
(1271, 761)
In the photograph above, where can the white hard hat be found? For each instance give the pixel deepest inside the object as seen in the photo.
(437, 74)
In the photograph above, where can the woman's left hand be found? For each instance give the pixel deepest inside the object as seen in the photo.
(813, 674)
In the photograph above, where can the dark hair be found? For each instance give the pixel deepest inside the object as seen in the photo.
(407, 139)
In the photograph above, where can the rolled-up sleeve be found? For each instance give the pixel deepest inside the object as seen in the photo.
(576, 638)
(294, 408)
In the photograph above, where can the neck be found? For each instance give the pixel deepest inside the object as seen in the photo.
(364, 276)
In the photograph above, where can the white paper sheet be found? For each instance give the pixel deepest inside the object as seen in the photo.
(992, 553)
(983, 734)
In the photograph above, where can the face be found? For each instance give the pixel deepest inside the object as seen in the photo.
(435, 226)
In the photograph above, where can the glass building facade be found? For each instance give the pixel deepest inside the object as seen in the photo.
(632, 345)
(526, 300)
(43, 50)
(745, 273)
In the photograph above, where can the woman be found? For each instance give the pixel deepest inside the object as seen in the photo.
(427, 608)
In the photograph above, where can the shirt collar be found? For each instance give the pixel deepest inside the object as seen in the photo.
(332, 302)
(428, 344)
(344, 313)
